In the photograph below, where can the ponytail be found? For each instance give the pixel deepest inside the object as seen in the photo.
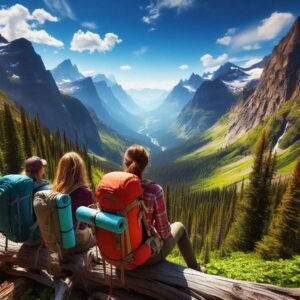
(136, 159)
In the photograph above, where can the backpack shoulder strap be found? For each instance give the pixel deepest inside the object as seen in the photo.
(75, 187)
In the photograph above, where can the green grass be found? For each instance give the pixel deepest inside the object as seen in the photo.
(209, 161)
(227, 175)
(97, 174)
(249, 267)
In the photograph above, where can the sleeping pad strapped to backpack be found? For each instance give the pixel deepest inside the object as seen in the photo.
(121, 193)
(17, 219)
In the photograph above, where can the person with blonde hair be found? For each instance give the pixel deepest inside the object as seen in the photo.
(71, 178)
(135, 161)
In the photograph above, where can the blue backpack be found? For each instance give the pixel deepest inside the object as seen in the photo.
(17, 218)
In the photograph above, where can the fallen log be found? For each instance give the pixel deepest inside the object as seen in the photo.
(162, 281)
(14, 288)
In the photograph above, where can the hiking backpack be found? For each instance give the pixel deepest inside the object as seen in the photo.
(121, 193)
(54, 215)
(17, 219)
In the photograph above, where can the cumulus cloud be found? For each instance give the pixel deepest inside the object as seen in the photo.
(154, 8)
(224, 40)
(209, 61)
(89, 41)
(125, 68)
(61, 7)
(252, 62)
(42, 16)
(89, 25)
(16, 22)
(268, 29)
(231, 31)
(211, 64)
(183, 67)
(141, 51)
(255, 46)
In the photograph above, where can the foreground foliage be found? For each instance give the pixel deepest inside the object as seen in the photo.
(248, 266)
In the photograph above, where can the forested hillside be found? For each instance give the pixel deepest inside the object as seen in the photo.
(22, 137)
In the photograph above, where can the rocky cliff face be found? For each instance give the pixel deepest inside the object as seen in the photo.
(279, 82)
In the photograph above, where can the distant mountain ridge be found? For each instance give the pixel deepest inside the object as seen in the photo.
(212, 99)
(66, 72)
(113, 106)
(85, 90)
(27, 82)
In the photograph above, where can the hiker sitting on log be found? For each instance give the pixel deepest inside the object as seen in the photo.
(136, 159)
(71, 178)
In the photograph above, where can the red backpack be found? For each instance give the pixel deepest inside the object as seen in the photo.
(121, 193)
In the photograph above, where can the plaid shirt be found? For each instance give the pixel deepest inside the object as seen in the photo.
(156, 216)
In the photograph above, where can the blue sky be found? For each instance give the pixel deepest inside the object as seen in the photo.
(146, 43)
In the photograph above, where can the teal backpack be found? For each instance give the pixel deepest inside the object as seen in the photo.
(17, 218)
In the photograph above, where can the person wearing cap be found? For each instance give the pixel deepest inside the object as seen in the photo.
(35, 169)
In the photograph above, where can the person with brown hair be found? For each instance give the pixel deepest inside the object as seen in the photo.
(136, 159)
(35, 169)
(71, 178)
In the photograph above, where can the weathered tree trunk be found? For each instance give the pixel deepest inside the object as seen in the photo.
(163, 281)
(14, 288)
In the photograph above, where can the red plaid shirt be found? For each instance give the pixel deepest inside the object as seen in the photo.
(156, 216)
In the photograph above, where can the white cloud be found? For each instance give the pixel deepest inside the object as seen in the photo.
(208, 60)
(251, 62)
(224, 40)
(89, 41)
(42, 16)
(125, 68)
(231, 31)
(255, 46)
(183, 67)
(154, 9)
(268, 29)
(89, 25)
(61, 7)
(16, 22)
(272, 26)
(141, 51)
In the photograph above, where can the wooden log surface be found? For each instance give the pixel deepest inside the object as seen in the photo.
(162, 281)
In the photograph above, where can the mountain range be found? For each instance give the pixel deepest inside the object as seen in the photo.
(206, 124)
(221, 155)
(104, 106)
(27, 82)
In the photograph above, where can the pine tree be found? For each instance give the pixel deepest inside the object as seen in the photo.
(12, 150)
(253, 211)
(26, 137)
(283, 240)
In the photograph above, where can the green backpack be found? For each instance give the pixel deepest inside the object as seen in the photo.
(17, 219)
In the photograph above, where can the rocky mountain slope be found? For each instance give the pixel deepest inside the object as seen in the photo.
(27, 82)
(279, 82)
(66, 72)
(221, 155)
(210, 102)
